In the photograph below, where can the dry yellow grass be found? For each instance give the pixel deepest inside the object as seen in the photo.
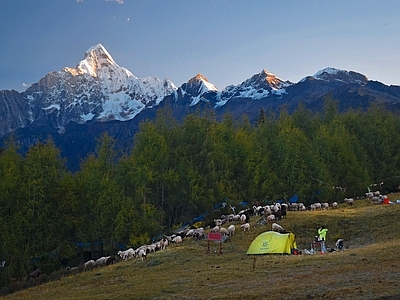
(368, 269)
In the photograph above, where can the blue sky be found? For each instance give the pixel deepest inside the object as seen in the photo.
(226, 41)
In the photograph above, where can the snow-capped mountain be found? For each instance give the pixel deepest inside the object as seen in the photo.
(75, 105)
(332, 74)
(195, 88)
(257, 87)
(97, 89)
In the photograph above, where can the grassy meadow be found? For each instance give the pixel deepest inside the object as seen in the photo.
(368, 268)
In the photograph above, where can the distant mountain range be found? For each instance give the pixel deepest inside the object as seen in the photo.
(75, 105)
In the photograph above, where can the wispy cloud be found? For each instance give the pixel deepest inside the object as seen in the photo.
(25, 84)
(118, 1)
(79, 1)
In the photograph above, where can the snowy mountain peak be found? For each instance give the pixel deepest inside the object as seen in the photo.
(198, 85)
(98, 63)
(257, 87)
(266, 80)
(98, 52)
(197, 78)
(332, 74)
(97, 89)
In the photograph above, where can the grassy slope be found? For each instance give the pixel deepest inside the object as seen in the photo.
(368, 269)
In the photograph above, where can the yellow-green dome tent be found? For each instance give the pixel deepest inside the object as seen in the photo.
(271, 242)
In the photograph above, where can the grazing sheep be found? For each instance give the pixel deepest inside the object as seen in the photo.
(215, 229)
(199, 233)
(100, 262)
(230, 217)
(163, 244)
(190, 233)
(277, 214)
(143, 247)
(334, 205)
(270, 218)
(110, 260)
(142, 254)
(127, 254)
(243, 218)
(301, 206)
(89, 265)
(223, 231)
(152, 247)
(218, 222)
(245, 226)
(317, 206)
(293, 206)
(349, 201)
(278, 228)
(177, 239)
(376, 200)
(170, 237)
(231, 230)
(369, 195)
(325, 205)
(236, 218)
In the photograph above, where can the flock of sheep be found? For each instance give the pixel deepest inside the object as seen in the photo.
(226, 225)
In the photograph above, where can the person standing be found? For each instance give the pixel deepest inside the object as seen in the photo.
(322, 237)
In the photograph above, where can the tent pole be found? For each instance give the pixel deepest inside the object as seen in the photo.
(254, 261)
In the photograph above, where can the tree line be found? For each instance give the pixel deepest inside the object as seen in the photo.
(177, 171)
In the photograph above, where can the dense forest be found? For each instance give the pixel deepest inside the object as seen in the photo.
(177, 171)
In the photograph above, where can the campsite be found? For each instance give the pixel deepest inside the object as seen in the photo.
(368, 268)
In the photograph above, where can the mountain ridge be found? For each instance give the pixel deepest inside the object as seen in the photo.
(100, 93)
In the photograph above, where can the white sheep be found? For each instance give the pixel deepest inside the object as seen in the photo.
(127, 254)
(190, 233)
(215, 229)
(301, 206)
(236, 218)
(170, 237)
(199, 233)
(152, 247)
(317, 205)
(142, 254)
(163, 244)
(218, 222)
(245, 226)
(143, 247)
(334, 205)
(177, 239)
(101, 262)
(231, 230)
(278, 228)
(89, 264)
(270, 218)
(243, 218)
(369, 194)
(223, 231)
(349, 201)
(376, 199)
(230, 217)
(325, 205)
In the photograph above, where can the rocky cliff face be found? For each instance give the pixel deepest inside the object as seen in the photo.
(14, 111)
